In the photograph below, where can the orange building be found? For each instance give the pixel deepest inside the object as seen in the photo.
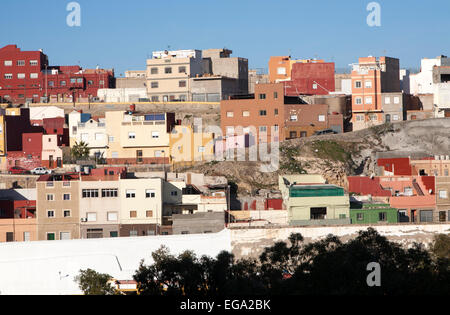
(280, 67)
(18, 230)
(376, 92)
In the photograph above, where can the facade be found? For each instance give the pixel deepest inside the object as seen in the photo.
(376, 94)
(18, 230)
(315, 203)
(92, 131)
(123, 95)
(100, 206)
(168, 74)
(187, 145)
(442, 199)
(311, 78)
(138, 138)
(269, 116)
(373, 214)
(256, 76)
(26, 76)
(141, 206)
(198, 223)
(58, 207)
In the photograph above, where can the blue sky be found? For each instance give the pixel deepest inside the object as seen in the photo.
(120, 34)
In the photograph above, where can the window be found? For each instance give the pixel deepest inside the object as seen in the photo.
(281, 70)
(182, 83)
(50, 213)
(80, 80)
(73, 80)
(445, 172)
(110, 193)
(131, 193)
(373, 117)
(360, 216)
(262, 96)
(358, 101)
(292, 134)
(395, 117)
(21, 63)
(150, 193)
(263, 112)
(275, 95)
(133, 214)
(90, 193)
(112, 216)
(50, 197)
(230, 114)
(441, 216)
(155, 98)
(426, 216)
(368, 100)
(149, 213)
(201, 149)
(275, 111)
(115, 155)
(245, 113)
(91, 216)
(396, 100)
(90, 82)
(8, 63)
(359, 117)
(50, 236)
(182, 69)
(21, 76)
(185, 232)
(387, 100)
(262, 129)
(443, 194)
(154, 85)
(174, 193)
(358, 84)
(321, 117)
(382, 216)
(154, 70)
(111, 139)
(168, 70)
(8, 76)
(34, 63)
(67, 213)
(131, 135)
(314, 86)
(113, 234)
(66, 197)
(99, 136)
(26, 236)
(34, 75)
(368, 84)
(293, 118)
(133, 233)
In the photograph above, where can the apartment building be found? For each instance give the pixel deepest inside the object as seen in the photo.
(141, 206)
(168, 74)
(269, 115)
(138, 138)
(100, 206)
(376, 93)
(442, 199)
(90, 130)
(58, 207)
(311, 77)
(187, 144)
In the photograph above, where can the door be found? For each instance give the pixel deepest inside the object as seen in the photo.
(413, 215)
(50, 161)
(64, 236)
(318, 213)
(50, 236)
(388, 118)
(9, 236)
(139, 156)
(58, 162)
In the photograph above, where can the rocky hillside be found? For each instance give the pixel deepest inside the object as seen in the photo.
(336, 156)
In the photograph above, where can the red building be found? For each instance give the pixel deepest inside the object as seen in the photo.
(26, 76)
(311, 78)
(23, 209)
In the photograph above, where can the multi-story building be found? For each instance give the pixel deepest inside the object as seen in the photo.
(269, 115)
(310, 201)
(58, 207)
(26, 76)
(168, 74)
(256, 76)
(376, 94)
(138, 138)
(373, 213)
(281, 67)
(442, 199)
(141, 206)
(188, 144)
(100, 205)
(311, 78)
(90, 130)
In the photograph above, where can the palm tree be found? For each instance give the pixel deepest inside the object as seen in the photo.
(80, 150)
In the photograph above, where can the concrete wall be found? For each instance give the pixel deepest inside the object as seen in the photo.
(18, 181)
(198, 223)
(251, 242)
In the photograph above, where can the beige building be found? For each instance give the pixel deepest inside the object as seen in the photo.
(138, 138)
(57, 207)
(187, 145)
(99, 206)
(442, 199)
(168, 74)
(141, 202)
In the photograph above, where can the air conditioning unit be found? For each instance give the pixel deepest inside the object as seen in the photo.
(83, 219)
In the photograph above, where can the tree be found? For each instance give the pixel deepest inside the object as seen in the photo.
(94, 283)
(80, 150)
(441, 246)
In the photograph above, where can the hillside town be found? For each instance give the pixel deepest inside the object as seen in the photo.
(86, 154)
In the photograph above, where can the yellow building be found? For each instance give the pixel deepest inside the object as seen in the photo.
(189, 146)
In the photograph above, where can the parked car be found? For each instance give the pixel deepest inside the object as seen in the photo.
(40, 171)
(18, 170)
(325, 132)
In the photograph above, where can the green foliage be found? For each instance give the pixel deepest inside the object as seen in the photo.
(94, 283)
(80, 150)
(332, 150)
(328, 266)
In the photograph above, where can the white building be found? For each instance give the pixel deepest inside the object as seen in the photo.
(124, 95)
(41, 112)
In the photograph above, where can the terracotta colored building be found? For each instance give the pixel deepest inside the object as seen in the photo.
(269, 115)
(311, 78)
